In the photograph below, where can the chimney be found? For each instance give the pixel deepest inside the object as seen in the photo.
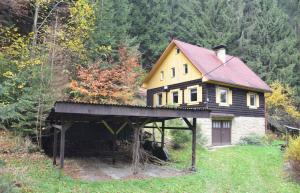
(221, 52)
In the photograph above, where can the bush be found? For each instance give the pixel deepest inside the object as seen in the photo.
(252, 139)
(7, 185)
(292, 153)
(269, 138)
(179, 137)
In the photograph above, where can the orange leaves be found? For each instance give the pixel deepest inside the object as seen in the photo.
(117, 84)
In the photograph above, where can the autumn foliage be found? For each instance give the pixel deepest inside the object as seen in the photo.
(115, 84)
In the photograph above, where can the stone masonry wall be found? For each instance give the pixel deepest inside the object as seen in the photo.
(241, 127)
(244, 126)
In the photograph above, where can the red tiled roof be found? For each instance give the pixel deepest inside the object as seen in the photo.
(234, 72)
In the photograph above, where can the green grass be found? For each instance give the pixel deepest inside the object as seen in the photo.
(233, 169)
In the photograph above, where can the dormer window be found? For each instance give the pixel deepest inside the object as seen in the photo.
(173, 72)
(185, 67)
(162, 75)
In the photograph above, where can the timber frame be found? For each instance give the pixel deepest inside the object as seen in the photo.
(65, 114)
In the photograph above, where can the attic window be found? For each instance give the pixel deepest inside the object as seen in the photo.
(186, 70)
(173, 72)
(177, 50)
(161, 75)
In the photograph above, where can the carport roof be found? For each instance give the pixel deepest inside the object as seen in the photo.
(69, 110)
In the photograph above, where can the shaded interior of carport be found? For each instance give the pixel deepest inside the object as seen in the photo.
(117, 119)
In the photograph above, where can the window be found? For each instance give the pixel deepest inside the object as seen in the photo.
(252, 100)
(185, 66)
(161, 75)
(193, 95)
(173, 72)
(223, 96)
(175, 97)
(216, 124)
(159, 99)
(177, 50)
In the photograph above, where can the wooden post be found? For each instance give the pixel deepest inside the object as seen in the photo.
(54, 145)
(162, 134)
(114, 147)
(62, 146)
(193, 168)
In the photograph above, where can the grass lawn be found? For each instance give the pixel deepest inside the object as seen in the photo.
(232, 169)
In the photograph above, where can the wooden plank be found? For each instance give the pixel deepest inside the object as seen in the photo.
(193, 168)
(108, 127)
(187, 122)
(177, 128)
(54, 145)
(122, 127)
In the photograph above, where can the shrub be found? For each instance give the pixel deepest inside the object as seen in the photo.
(269, 138)
(179, 137)
(7, 185)
(252, 139)
(292, 153)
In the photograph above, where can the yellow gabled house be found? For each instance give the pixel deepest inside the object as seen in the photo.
(187, 75)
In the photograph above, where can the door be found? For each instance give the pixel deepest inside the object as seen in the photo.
(221, 132)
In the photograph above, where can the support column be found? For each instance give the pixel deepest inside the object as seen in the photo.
(162, 134)
(54, 145)
(62, 146)
(194, 127)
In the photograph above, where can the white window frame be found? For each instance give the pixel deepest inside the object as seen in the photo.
(190, 94)
(227, 96)
(255, 100)
(173, 72)
(162, 75)
(173, 97)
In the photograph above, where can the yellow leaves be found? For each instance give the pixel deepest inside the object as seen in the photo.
(293, 152)
(8, 74)
(281, 98)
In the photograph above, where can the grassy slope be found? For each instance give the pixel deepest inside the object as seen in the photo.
(234, 169)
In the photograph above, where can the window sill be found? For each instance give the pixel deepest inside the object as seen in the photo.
(193, 103)
(252, 107)
(224, 104)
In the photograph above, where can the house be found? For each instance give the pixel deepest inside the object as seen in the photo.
(191, 76)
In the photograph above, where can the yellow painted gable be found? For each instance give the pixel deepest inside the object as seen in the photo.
(171, 60)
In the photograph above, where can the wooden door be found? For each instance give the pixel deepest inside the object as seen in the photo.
(221, 132)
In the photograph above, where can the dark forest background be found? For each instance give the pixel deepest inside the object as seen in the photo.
(53, 49)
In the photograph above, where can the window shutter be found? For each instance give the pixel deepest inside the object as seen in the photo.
(230, 97)
(179, 96)
(169, 96)
(155, 100)
(186, 96)
(199, 93)
(257, 100)
(248, 99)
(217, 95)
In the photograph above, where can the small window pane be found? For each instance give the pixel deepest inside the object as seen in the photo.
(173, 72)
(252, 99)
(223, 96)
(216, 124)
(185, 68)
(161, 75)
(160, 99)
(175, 97)
(193, 94)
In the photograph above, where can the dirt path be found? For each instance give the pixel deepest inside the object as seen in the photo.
(97, 169)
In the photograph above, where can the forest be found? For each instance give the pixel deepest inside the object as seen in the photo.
(100, 50)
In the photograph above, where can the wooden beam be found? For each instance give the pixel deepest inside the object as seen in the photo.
(178, 128)
(122, 127)
(54, 145)
(108, 127)
(162, 134)
(62, 146)
(187, 122)
(194, 130)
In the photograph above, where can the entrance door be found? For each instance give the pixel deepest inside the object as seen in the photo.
(221, 132)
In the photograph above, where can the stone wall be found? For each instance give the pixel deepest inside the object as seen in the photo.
(241, 127)
(244, 126)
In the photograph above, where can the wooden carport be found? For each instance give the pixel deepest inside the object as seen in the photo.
(64, 114)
